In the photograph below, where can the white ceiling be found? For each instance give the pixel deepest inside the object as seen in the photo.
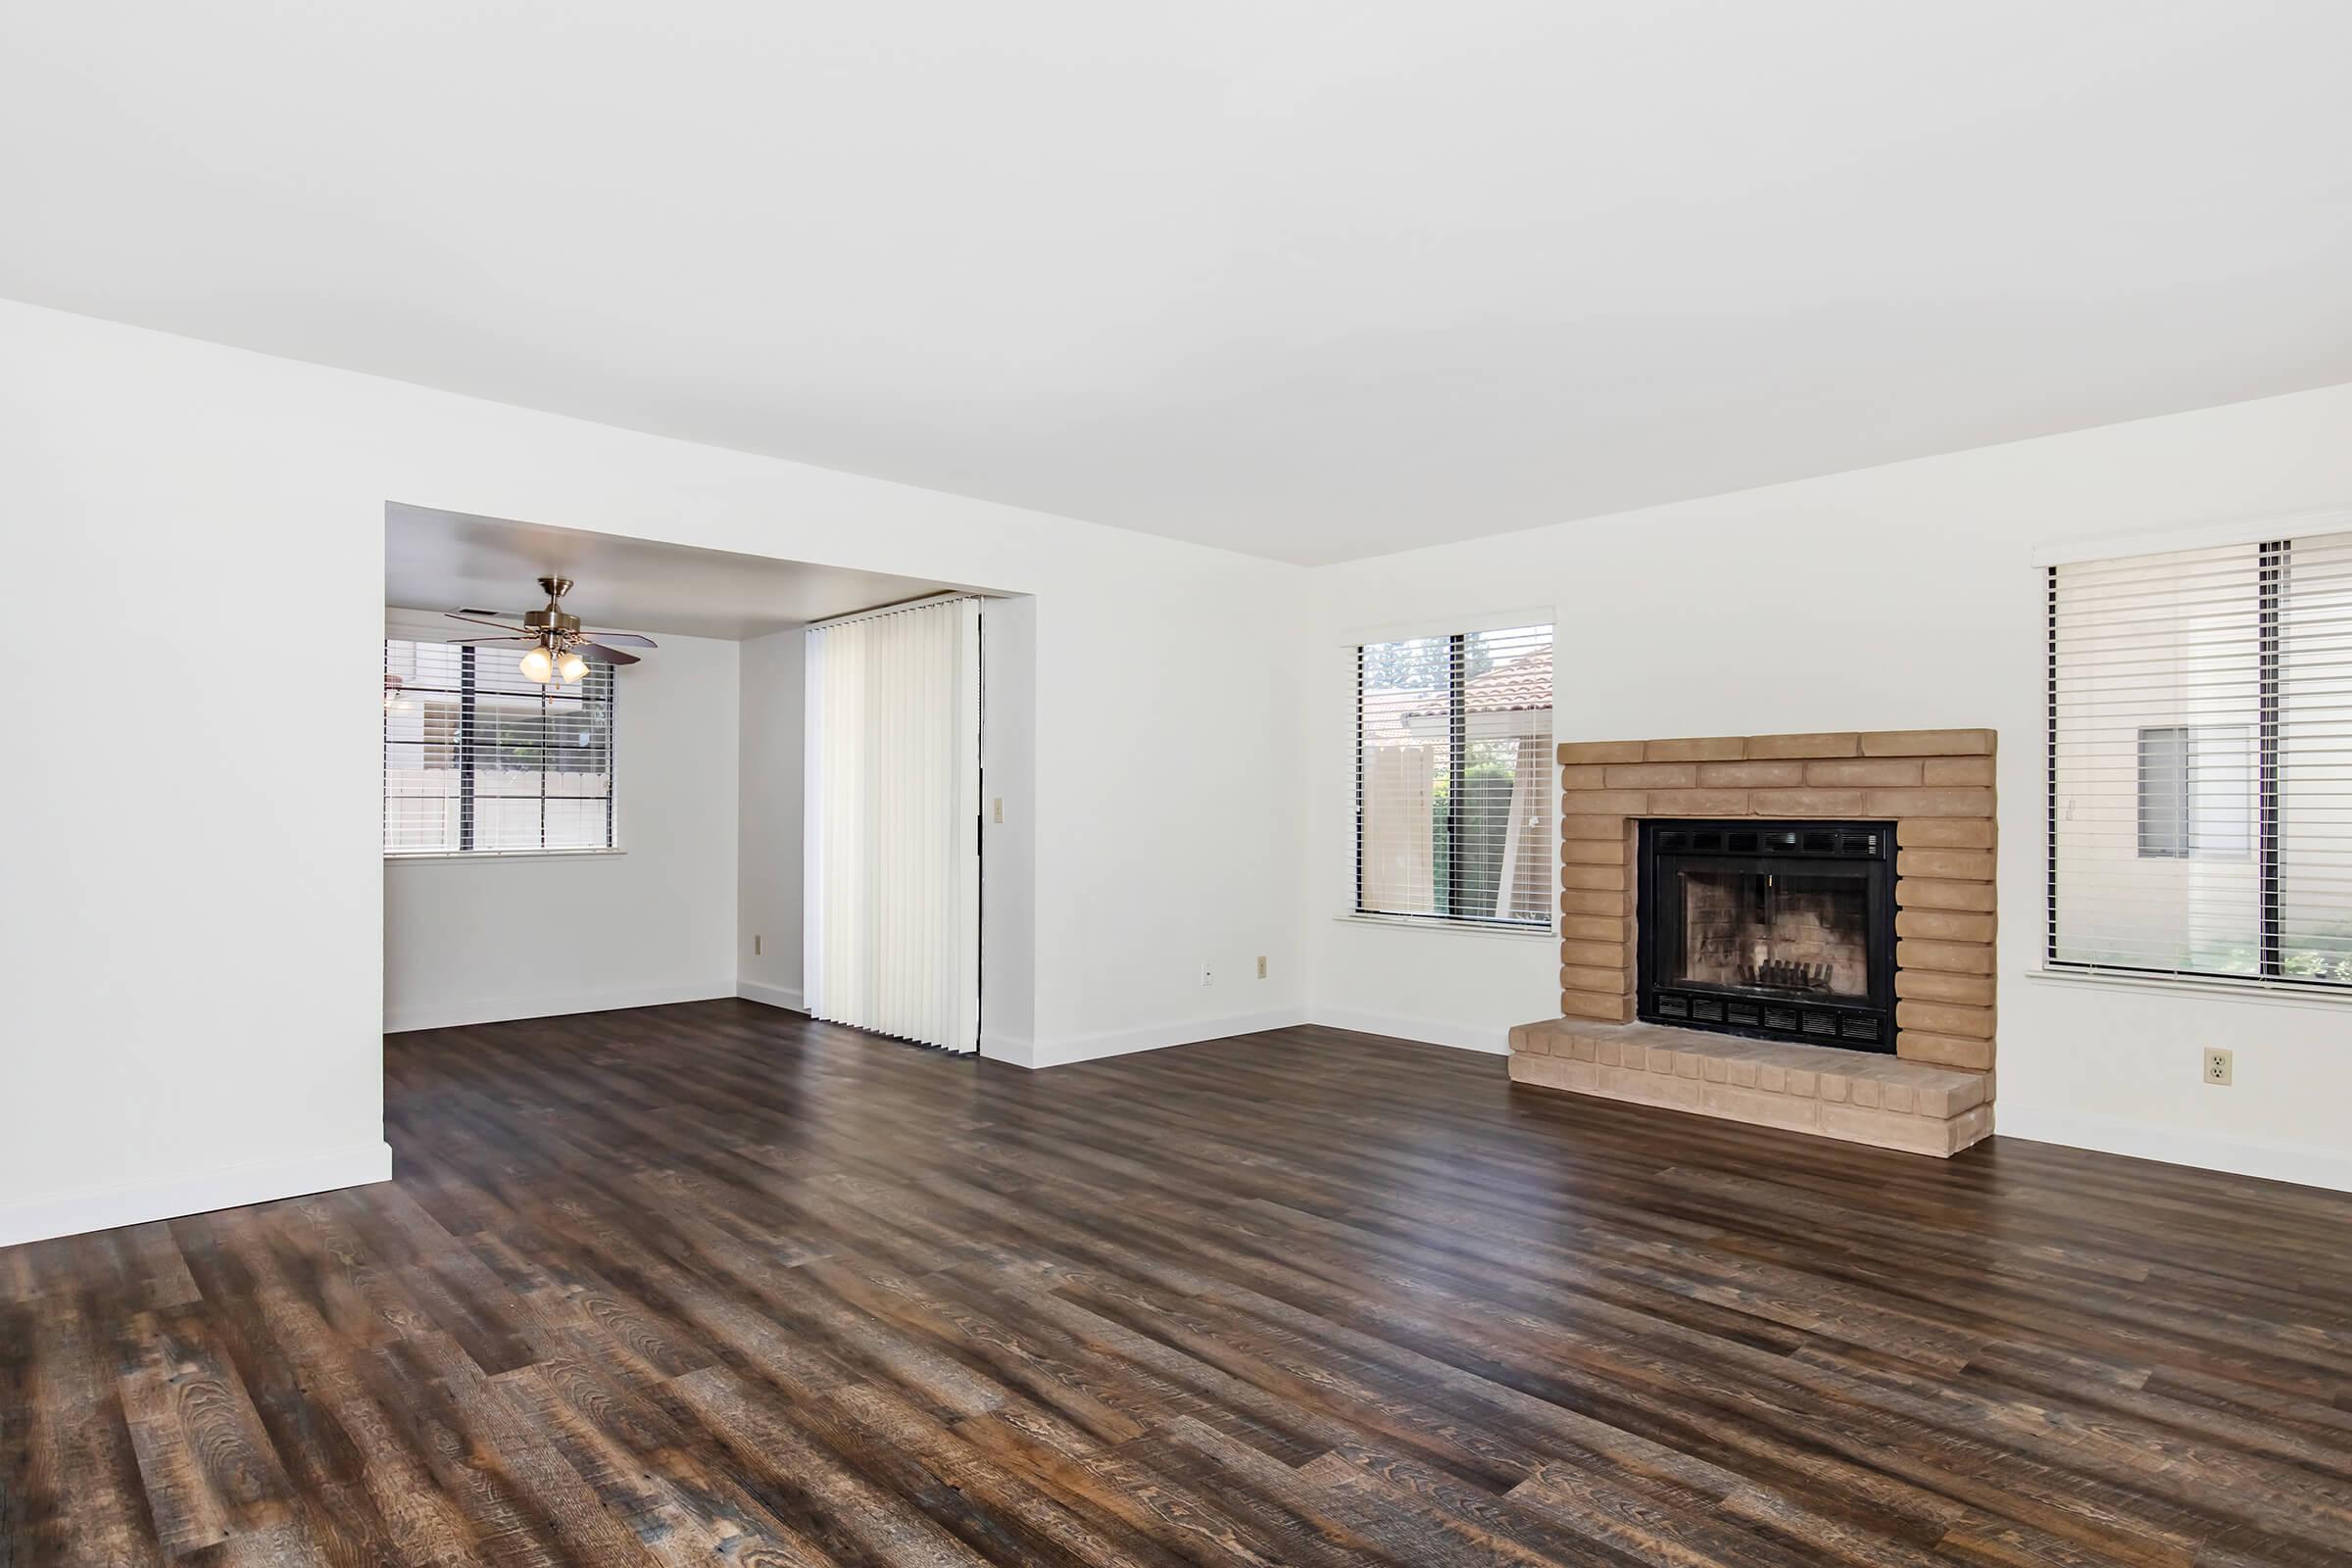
(437, 559)
(1313, 280)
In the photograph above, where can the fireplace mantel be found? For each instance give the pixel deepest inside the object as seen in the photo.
(1935, 786)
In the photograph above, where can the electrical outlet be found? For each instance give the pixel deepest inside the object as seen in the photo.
(1208, 977)
(2220, 1065)
(1261, 966)
(756, 946)
(999, 808)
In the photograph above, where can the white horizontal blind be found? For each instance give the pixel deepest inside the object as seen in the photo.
(2200, 720)
(479, 760)
(1453, 777)
(891, 926)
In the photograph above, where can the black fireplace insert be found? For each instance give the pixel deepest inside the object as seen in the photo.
(1779, 930)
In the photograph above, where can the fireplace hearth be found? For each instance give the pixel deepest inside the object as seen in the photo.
(1775, 930)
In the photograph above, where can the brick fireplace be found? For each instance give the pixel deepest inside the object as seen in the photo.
(1929, 792)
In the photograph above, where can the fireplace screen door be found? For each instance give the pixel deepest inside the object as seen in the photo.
(1789, 932)
(1780, 930)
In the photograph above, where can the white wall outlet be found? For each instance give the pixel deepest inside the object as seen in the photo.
(1261, 966)
(2220, 1065)
(999, 808)
(754, 944)
(1208, 976)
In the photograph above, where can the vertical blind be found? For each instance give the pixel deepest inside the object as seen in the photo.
(1453, 797)
(2200, 771)
(892, 917)
(479, 760)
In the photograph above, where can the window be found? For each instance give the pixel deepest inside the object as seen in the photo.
(1453, 814)
(2196, 792)
(479, 760)
(2200, 766)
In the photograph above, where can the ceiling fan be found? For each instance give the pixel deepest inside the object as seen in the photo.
(560, 651)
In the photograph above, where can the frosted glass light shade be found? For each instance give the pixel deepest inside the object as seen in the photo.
(538, 665)
(570, 666)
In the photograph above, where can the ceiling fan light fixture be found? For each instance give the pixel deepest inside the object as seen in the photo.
(555, 640)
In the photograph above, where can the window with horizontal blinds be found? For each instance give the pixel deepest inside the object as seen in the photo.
(1453, 793)
(479, 760)
(2200, 770)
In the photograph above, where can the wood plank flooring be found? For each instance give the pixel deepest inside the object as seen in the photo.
(711, 1284)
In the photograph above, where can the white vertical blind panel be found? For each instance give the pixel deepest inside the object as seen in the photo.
(2201, 762)
(893, 921)
(1454, 777)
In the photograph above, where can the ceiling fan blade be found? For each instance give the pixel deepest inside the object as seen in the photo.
(599, 653)
(473, 620)
(484, 642)
(620, 639)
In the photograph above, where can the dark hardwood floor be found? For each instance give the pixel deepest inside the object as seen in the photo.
(711, 1284)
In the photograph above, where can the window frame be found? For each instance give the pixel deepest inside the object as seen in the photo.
(466, 744)
(1455, 633)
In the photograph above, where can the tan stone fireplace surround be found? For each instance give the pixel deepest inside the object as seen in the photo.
(1933, 1096)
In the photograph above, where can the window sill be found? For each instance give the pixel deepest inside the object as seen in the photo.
(1469, 928)
(2270, 993)
(440, 856)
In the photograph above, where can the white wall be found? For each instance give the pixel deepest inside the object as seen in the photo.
(193, 1000)
(767, 888)
(1008, 841)
(770, 800)
(1893, 598)
(653, 923)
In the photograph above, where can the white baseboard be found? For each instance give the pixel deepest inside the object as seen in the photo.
(1125, 1042)
(1012, 1052)
(2111, 1135)
(229, 1187)
(1493, 1040)
(785, 996)
(438, 1014)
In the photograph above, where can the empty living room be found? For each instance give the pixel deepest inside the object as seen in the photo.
(1096, 786)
